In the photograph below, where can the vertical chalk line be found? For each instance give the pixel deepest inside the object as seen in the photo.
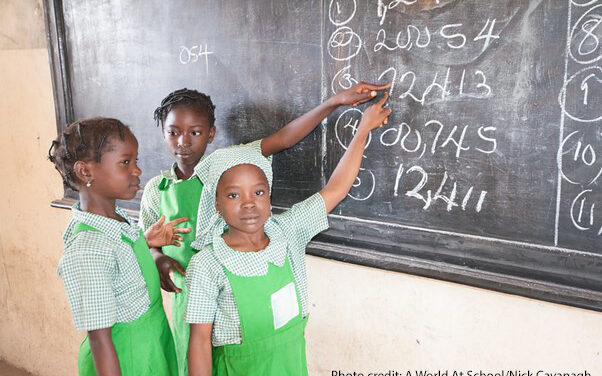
(323, 92)
(561, 131)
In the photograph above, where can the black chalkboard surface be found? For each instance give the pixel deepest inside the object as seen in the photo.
(489, 172)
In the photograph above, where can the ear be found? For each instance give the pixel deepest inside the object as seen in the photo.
(83, 171)
(217, 207)
(212, 131)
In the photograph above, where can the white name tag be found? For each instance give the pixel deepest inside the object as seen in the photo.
(284, 305)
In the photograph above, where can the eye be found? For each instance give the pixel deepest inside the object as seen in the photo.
(195, 133)
(126, 162)
(259, 192)
(170, 133)
(232, 195)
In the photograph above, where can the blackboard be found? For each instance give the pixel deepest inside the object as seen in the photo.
(489, 172)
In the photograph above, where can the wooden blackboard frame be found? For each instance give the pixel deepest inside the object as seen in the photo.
(504, 266)
(61, 84)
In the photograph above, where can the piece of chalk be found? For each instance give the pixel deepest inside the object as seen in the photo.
(373, 93)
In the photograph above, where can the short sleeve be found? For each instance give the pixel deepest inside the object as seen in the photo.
(88, 274)
(305, 219)
(150, 212)
(257, 146)
(203, 290)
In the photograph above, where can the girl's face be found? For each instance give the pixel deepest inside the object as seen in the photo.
(243, 199)
(117, 176)
(187, 133)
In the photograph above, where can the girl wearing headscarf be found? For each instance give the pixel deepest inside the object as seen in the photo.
(247, 285)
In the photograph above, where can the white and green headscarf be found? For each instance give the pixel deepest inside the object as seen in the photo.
(210, 170)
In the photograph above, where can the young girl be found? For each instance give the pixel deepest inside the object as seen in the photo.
(187, 120)
(247, 287)
(111, 280)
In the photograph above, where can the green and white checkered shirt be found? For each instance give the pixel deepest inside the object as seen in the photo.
(149, 204)
(210, 298)
(102, 277)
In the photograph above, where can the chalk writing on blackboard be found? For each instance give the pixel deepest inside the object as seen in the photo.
(431, 136)
(421, 38)
(440, 88)
(195, 54)
(580, 102)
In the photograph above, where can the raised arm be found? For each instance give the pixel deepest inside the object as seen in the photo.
(348, 167)
(297, 129)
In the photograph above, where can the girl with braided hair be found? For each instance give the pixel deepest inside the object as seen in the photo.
(111, 280)
(187, 121)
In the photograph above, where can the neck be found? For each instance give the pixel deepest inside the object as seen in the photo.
(184, 172)
(245, 242)
(98, 205)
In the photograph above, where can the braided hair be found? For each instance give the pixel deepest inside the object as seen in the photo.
(83, 140)
(185, 97)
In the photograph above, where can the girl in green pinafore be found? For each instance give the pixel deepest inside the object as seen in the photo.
(187, 122)
(111, 280)
(247, 286)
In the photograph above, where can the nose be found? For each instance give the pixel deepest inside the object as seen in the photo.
(136, 171)
(248, 203)
(184, 139)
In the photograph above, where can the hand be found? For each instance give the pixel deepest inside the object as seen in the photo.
(375, 116)
(161, 234)
(358, 94)
(165, 265)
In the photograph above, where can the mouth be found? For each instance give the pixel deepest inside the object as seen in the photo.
(250, 219)
(184, 153)
(136, 185)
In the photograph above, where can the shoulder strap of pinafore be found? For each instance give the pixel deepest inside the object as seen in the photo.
(81, 227)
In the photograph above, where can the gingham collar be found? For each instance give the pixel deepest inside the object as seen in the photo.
(246, 264)
(171, 173)
(111, 227)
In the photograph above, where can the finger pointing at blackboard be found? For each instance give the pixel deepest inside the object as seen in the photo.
(359, 93)
(375, 115)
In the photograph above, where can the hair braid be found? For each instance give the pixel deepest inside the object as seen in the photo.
(83, 140)
(188, 98)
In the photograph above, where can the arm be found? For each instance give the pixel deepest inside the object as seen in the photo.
(297, 129)
(103, 352)
(199, 350)
(348, 167)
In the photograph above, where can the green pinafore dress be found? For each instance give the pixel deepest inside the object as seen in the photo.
(272, 327)
(144, 346)
(180, 200)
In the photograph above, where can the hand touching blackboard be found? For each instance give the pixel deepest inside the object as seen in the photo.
(297, 129)
(346, 171)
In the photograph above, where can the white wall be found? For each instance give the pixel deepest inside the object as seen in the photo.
(366, 320)
(36, 332)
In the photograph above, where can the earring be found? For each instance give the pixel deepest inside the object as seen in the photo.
(89, 183)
